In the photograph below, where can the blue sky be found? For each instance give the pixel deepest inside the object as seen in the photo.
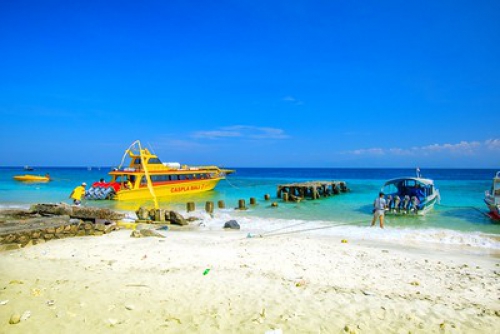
(251, 83)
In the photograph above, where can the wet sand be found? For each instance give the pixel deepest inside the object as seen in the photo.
(293, 283)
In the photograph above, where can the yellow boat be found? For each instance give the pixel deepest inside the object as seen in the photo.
(32, 178)
(147, 177)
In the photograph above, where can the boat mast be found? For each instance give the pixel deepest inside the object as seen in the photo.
(146, 172)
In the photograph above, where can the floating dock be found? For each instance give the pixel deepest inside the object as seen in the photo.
(310, 190)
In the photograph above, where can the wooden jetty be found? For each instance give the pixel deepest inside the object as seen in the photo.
(310, 190)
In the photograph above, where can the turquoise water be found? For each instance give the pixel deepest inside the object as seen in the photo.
(460, 214)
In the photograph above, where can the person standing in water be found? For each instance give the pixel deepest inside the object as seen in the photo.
(78, 193)
(379, 210)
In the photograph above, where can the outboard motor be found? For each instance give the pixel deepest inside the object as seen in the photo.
(406, 203)
(414, 204)
(397, 202)
(389, 202)
(100, 191)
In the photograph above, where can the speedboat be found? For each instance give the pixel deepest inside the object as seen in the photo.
(410, 195)
(146, 177)
(32, 178)
(492, 198)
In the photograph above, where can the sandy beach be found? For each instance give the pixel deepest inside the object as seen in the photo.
(223, 282)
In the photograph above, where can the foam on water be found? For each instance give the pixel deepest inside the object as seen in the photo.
(357, 230)
(458, 221)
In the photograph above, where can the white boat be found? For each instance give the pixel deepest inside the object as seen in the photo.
(410, 195)
(492, 198)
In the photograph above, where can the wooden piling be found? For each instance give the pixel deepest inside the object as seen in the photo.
(310, 190)
(209, 207)
(221, 204)
(159, 215)
(189, 206)
(253, 201)
(267, 197)
(241, 204)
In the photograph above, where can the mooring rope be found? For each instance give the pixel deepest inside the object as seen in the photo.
(272, 233)
(230, 183)
(465, 207)
(283, 228)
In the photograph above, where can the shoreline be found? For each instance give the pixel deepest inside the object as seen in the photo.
(296, 283)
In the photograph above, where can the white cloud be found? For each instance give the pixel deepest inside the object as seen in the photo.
(293, 100)
(242, 131)
(369, 151)
(216, 134)
(493, 144)
(461, 148)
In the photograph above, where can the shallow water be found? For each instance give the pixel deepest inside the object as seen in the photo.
(458, 220)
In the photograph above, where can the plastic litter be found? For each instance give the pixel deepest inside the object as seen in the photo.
(26, 315)
(206, 271)
(274, 331)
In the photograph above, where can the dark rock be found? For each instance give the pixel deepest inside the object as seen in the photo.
(135, 234)
(51, 209)
(177, 218)
(142, 213)
(232, 224)
(151, 233)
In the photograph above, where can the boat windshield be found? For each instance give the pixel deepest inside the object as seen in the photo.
(154, 161)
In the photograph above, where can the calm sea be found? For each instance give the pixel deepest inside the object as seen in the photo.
(458, 220)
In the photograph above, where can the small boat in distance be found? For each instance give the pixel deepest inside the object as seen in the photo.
(410, 195)
(28, 168)
(147, 177)
(492, 198)
(32, 178)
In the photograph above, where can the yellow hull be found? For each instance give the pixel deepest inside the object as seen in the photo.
(167, 190)
(31, 178)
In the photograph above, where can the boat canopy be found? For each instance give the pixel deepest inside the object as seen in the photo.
(409, 186)
(425, 182)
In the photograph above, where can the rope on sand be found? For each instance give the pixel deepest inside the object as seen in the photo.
(273, 232)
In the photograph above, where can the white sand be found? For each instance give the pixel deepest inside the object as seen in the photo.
(295, 283)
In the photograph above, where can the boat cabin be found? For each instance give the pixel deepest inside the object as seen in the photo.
(419, 188)
(494, 192)
(410, 194)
